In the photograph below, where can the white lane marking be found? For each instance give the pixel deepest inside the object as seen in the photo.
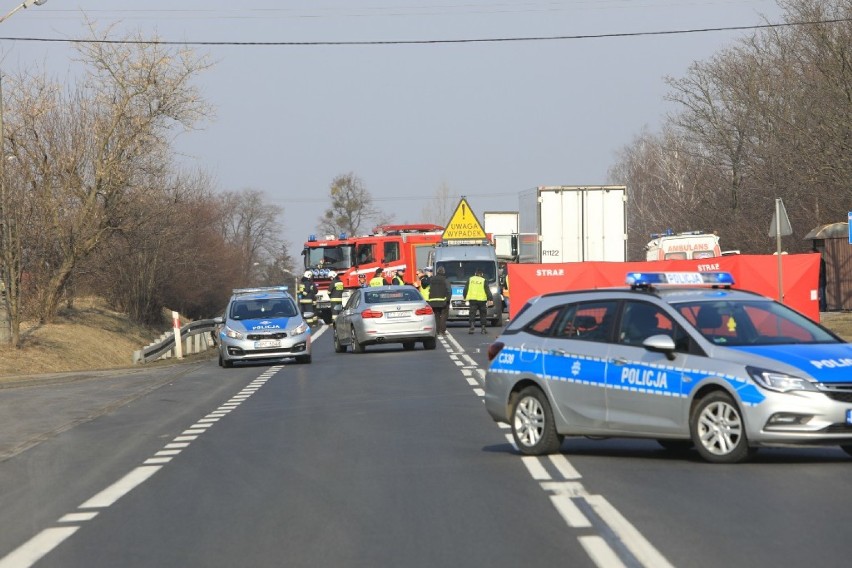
(177, 445)
(156, 461)
(120, 488)
(78, 517)
(600, 552)
(185, 438)
(479, 392)
(566, 470)
(570, 512)
(472, 382)
(162, 453)
(643, 550)
(535, 468)
(202, 426)
(31, 551)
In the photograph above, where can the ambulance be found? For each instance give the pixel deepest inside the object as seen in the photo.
(389, 247)
(682, 246)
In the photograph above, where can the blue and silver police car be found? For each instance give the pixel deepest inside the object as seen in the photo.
(262, 323)
(682, 358)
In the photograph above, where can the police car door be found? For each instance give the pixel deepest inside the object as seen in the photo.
(643, 392)
(575, 359)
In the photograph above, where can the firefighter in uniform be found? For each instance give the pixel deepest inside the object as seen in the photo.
(335, 294)
(478, 296)
(307, 295)
(378, 278)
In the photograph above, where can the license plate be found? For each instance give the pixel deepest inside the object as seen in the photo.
(462, 312)
(849, 416)
(396, 315)
(267, 343)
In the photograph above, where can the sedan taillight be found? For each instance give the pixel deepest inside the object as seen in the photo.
(368, 314)
(425, 311)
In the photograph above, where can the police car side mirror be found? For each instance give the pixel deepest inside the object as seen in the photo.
(219, 320)
(661, 344)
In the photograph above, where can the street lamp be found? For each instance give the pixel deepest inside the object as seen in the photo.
(25, 4)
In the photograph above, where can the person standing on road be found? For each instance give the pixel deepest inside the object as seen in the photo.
(335, 294)
(439, 297)
(478, 296)
(398, 279)
(422, 282)
(378, 278)
(307, 297)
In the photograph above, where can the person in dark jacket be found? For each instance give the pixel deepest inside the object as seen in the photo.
(439, 299)
(307, 297)
(335, 294)
(398, 277)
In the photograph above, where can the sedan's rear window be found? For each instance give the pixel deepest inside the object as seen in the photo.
(390, 296)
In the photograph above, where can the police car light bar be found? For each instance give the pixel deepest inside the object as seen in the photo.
(645, 279)
(237, 291)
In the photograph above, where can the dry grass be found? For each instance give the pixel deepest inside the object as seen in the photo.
(86, 337)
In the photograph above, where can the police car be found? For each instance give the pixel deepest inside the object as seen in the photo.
(682, 358)
(262, 323)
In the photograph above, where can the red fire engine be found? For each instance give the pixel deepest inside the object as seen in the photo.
(389, 247)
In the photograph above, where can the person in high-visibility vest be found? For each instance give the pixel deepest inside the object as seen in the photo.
(378, 278)
(422, 283)
(478, 296)
(335, 294)
(398, 278)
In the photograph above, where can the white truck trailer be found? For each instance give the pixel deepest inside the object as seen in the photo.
(503, 228)
(568, 223)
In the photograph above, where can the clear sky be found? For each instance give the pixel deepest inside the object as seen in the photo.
(488, 119)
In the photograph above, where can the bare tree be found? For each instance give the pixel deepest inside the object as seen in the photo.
(440, 207)
(351, 207)
(252, 227)
(90, 149)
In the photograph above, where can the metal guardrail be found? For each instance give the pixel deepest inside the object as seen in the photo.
(165, 346)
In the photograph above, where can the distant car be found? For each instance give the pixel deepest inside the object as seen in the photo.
(385, 314)
(693, 365)
(262, 323)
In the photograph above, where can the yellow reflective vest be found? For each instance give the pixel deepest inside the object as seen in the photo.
(476, 289)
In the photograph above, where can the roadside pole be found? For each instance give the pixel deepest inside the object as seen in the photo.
(178, 340)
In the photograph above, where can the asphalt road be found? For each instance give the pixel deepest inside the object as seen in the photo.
(381, 459)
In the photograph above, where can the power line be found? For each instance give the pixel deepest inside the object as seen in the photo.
(426, 41)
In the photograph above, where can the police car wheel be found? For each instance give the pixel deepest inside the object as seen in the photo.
(357, 346)
(224, 362)
(718, 430)
(532, 423)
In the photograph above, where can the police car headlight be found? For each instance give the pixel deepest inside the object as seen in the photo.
(233, 333)
(780, 382)
(303, 327)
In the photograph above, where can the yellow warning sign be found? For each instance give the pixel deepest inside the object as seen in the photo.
(463, 224)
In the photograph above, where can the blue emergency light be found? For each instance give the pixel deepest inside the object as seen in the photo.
(312, 238)
(646, 279)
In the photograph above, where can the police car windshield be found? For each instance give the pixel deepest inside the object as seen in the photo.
(336, 257)
(263, 308)
(752, 323)
(461, 270)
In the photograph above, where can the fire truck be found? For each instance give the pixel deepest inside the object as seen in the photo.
(389, 247)
(683, 246)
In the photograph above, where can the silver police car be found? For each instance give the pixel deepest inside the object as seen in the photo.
(678, 357)
(262, 323)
